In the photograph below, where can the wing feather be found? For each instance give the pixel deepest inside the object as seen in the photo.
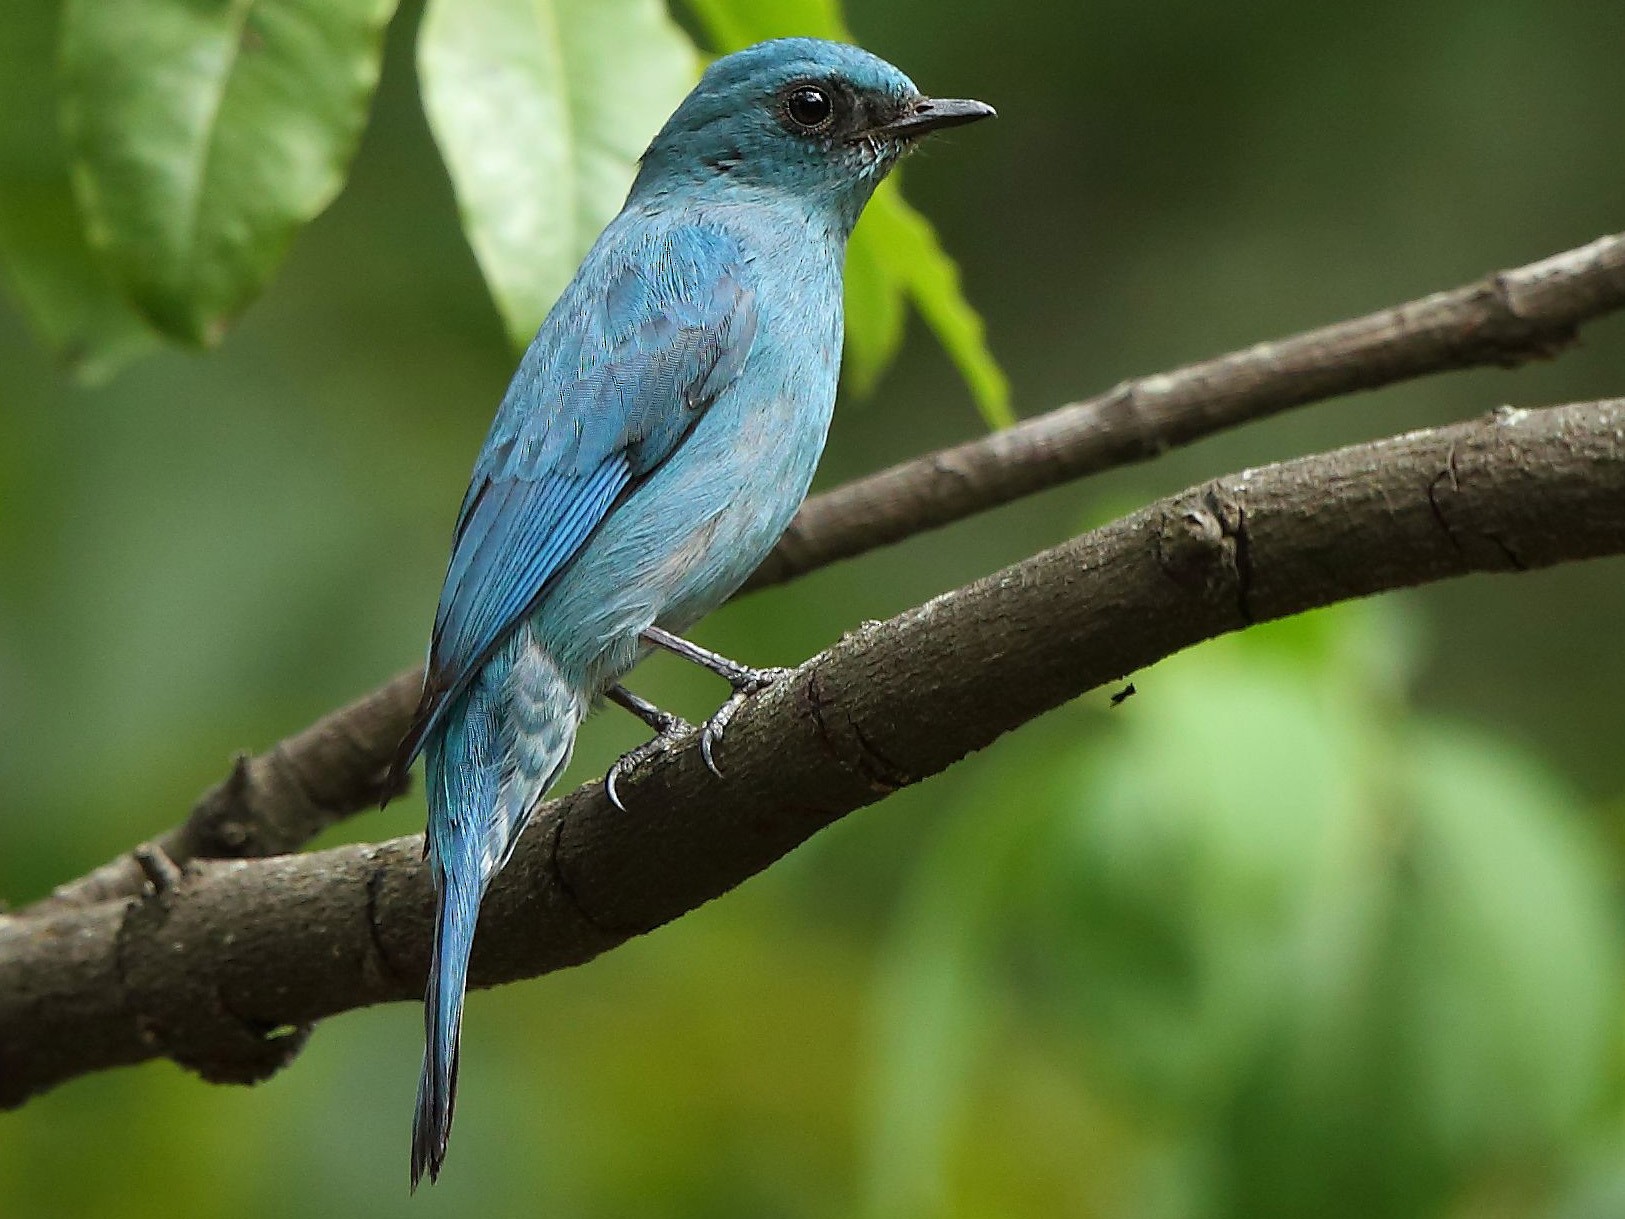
(616, 378)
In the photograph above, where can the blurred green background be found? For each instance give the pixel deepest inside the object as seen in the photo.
(1325, 921)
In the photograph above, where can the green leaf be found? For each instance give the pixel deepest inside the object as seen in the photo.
(541, 109)
(731, 24)
(902, 245)
(205, 134)
(64, 291)
(875, 312)
(894, 255)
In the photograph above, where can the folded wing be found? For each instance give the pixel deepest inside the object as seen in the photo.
(615, 380)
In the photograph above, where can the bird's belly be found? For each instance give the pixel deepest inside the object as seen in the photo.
(687, 538)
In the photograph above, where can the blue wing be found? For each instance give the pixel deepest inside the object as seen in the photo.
(624, 366)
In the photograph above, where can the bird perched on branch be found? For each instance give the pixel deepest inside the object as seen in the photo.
(658, 436)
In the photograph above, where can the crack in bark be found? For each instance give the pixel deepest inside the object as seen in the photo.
(861, 757)
(882, 772)
(1242, 561)
(121, 976)
(375, 934)
(812, 694)
(555, 873)
(1451, 472)
(1514, 560)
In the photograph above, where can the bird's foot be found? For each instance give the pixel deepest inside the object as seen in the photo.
(747, 682)
(674, 733)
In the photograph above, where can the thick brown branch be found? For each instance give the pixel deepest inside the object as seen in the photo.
(207, 969)
(1504, 319)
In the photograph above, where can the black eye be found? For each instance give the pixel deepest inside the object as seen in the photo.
(809, 107)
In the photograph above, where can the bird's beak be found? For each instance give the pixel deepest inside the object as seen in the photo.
(935, 113)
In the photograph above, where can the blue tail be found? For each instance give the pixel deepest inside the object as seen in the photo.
(461, 768)
(487, 763)
(442, 1023)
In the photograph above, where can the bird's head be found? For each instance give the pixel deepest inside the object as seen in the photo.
(821, 122)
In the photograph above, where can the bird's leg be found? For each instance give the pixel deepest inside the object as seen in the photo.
(668, 730)
(664, 723)
(745, 681)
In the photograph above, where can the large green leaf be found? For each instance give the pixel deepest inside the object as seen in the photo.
(66, 294)
(205, 133)
(894, 255)
(541, 109)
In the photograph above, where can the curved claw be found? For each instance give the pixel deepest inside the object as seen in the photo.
(610, 785)
(712, 733)
(672, 732)
(749, 684)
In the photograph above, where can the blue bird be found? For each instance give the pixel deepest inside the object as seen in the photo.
(660, 432)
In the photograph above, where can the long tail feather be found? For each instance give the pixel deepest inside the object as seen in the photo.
(442, 1027)
(487, 763)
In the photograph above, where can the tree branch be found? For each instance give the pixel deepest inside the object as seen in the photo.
(207, 969)
(282, 799)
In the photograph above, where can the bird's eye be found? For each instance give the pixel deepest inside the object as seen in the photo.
(809, 107)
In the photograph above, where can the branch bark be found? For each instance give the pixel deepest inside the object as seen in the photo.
(222, 967)
(282, 799)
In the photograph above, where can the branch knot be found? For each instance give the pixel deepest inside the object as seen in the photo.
(1202, 544)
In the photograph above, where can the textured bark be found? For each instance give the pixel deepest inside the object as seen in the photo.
(221, 967)
(282, 799)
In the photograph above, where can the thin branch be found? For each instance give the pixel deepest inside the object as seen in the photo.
(275, 802)
(208, 969)
(1504, 319)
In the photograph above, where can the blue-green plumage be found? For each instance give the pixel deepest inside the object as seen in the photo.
(659, 434)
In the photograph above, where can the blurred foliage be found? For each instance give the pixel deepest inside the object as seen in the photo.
(1336, 959)
(1324, 920)
(895, 255)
